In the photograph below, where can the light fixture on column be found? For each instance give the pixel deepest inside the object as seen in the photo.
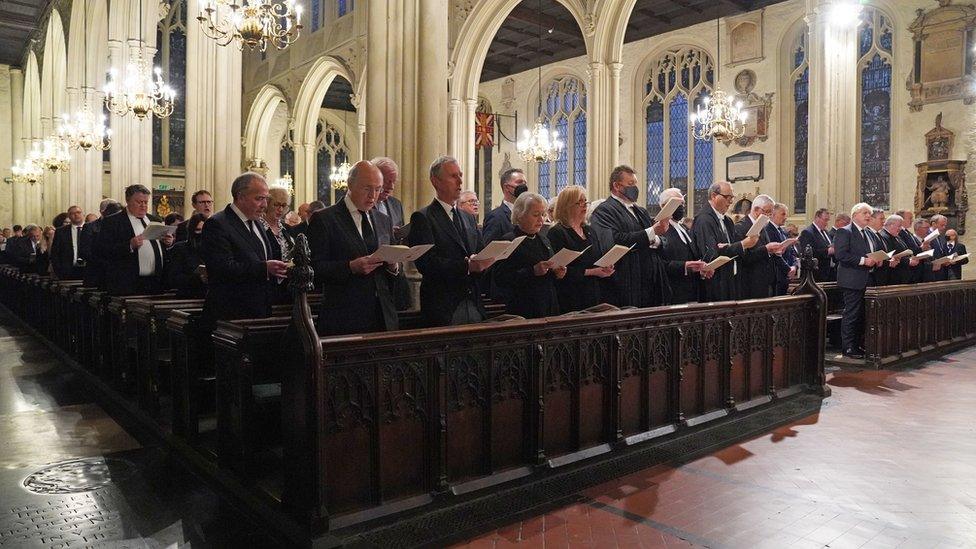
(539, 144)
(340, 174)
(720, 117)
(28, 169)
(142, 90)
(845, 14)
(253, 23)
(85, 131)
(283, 182)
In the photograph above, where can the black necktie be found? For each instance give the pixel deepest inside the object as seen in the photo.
(260, 235)
(826, 237)
(157, 253)
(369, 237)
(459, 225)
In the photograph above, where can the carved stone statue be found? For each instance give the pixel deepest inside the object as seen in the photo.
(938, 194)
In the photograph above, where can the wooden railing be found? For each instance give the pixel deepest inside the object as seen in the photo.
(381, 422)
(909, 322)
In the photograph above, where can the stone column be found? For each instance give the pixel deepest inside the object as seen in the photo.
(131, 158)
(6, 151)
(213, 113)
(432, 94)
(18, 192)
(600, 123)
(832, 159)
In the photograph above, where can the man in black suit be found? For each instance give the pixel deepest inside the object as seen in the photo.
(94, 268)
(449, 289)
(840, 221)
(915, 267)
(939, 273)
(133, 265)
(785, 263)
(899, 270)
(498, 223)
(816, 238)
(25, 252)
(356, 289)
(758, 273)
(714, 235)
(852, 244)
(393, 208)
(882, 273)
(203, 204)
(388, 204)
(681, 258)
(242, 267)
(640, 278)
(66, 259)
(953, 246)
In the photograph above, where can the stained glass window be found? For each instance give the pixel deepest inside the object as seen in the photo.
(169, 134)
(874, 66)
(800, 79)
(672, 154)
(565, 112)
(316, 14)
(330, 150)
(344, 7)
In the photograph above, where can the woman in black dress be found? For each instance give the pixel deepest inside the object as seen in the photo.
(528, 273)
(580, 288)
(183, 261)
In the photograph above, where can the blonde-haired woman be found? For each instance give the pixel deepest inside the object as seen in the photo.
(580, 288)
(528, 273)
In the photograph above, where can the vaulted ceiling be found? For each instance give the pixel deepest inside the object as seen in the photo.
(516, 47)
(18, 19)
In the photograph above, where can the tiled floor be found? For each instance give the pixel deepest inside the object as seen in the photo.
(71, 477)
(890, 461)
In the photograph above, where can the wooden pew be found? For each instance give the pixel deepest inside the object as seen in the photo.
(380, 423)
(122, 341)
(906, 323)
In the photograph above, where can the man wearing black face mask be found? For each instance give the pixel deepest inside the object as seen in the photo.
(498, 223)
(680, 255)
(639, 278)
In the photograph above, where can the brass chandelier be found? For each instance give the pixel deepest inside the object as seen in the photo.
(540, 144)
(253, 23)
(142, 90)
(54, 154)
(719, 117)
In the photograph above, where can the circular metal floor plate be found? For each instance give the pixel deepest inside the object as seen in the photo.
(78, 475)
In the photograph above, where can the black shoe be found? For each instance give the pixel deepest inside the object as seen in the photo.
(856, 354)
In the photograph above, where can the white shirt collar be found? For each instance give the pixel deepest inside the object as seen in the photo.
(132, 216)
(677, 226)
(719, 215)
(511, 205)
(239, 213)
(447, 207)
(753, 219)
(353, 210)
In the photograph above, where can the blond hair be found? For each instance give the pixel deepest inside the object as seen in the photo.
(565, 201)
(278, 194)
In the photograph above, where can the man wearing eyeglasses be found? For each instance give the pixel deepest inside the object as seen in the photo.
(469, 203)
(203, 204)
(714, 235)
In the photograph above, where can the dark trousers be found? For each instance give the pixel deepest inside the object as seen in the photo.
(368, 319)
(852, 323)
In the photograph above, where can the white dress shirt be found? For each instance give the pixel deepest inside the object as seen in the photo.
(358, 219)
(147, 259)
(682, 232)
(75, 231)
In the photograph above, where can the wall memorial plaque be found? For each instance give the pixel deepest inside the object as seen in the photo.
(944, 63)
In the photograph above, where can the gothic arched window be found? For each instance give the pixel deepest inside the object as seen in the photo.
(676, 82)
(286, 157)
(169, 134)
(330, 150)
(344, 6)
(564, 110)
(800, 94)
(316, 15)
(874, 82)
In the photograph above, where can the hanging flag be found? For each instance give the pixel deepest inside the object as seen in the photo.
(484, 129)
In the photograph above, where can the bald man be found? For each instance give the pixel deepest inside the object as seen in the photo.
(357, 294)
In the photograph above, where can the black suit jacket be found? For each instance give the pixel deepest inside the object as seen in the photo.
(576, 291)
(532, 296)
(121, 263)
(780, 264)
(955, 270)
(446, 282)
(237, 274)
(94, 268)
(394, 210)
(301, 228)
(707, 235)
(882, 274)
(640, 278)
(685, 286)
(757, 271)
(810, 236)
(181, 270)
(350, 301)
(498, 223)
(901, 274)
(915, 273)
(849, 248)
(62, 254)
(27, 258)
(940, 245)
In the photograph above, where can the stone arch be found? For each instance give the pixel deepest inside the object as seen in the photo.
(305, 115)
(467, 60)
(53, 104)
(786, 112)
(32, 130)
(269, 99)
